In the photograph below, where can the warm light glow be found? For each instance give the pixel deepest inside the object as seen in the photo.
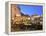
(18, 15)
(29, 18)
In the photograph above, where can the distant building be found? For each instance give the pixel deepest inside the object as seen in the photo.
(37, 19)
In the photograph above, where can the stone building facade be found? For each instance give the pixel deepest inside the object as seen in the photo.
(15, 11)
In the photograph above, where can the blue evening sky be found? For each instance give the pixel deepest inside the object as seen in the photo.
(31, 9)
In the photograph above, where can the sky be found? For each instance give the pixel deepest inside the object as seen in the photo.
(31, 9)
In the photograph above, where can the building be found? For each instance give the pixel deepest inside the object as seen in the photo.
(15, 11)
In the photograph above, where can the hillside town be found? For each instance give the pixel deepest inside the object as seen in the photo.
(24, 22)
